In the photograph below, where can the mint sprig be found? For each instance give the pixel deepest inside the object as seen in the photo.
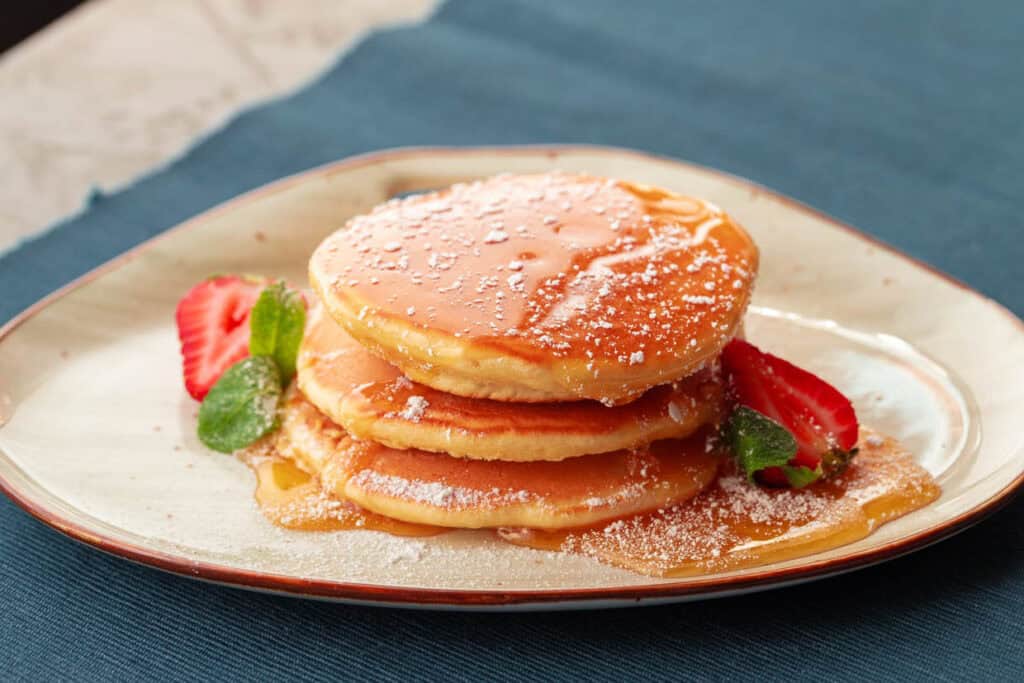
(276, 326)
(242, 406)
(759, 442)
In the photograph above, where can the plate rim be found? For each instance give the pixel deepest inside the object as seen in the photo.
(704, 587)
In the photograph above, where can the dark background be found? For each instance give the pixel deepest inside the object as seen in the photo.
(20, 20)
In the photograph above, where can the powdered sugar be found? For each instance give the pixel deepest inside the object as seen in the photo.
(495, 237)
(415, 406)
(438, 494)
(409, 551)
(736, 523)
(560, 262)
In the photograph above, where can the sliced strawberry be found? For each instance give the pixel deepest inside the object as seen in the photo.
(820, 418)
(213, 326)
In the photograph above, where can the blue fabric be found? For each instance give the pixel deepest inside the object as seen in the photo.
(904, 118)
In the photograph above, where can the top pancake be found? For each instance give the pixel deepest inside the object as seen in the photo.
(548, 287)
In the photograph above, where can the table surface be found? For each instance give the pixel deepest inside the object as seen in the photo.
(131, 98)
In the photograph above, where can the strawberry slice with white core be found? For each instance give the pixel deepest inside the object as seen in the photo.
(818, 416)
(213, 326)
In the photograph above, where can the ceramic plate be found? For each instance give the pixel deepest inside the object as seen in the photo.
(98, 434)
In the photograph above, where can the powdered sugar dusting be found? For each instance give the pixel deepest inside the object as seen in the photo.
(702, 532)
(410, 551)
(415, 406)
(563, 264)
(732, 525)
(495, 237)
(738, 524)
(438, 494)
(316, 508)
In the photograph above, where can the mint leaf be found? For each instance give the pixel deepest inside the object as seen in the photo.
(276, 326)
(758, 442)
(800, 476)
(242, 406)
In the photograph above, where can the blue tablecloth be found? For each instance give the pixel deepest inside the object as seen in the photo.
(903, 118)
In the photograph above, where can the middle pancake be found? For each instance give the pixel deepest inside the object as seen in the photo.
(372, 400)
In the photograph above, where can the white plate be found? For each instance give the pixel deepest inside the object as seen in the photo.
(98, 434)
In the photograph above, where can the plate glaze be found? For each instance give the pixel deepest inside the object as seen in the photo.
(97, 436)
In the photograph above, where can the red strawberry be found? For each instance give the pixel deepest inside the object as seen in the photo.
(213, 326)
(820, 418)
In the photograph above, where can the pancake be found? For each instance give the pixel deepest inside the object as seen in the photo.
(431, 488)
(553, 287)
(372, 400)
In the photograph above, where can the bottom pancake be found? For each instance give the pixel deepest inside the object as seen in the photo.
(431, 488)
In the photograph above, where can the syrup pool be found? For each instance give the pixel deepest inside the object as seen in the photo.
(732, 525)
(735, 524)
(291, 498)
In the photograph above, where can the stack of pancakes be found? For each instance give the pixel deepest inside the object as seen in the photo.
(528, 351)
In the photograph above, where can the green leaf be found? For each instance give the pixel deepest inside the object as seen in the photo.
(800, 476)
(758, 442)
(276, 326)
(242, 406)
